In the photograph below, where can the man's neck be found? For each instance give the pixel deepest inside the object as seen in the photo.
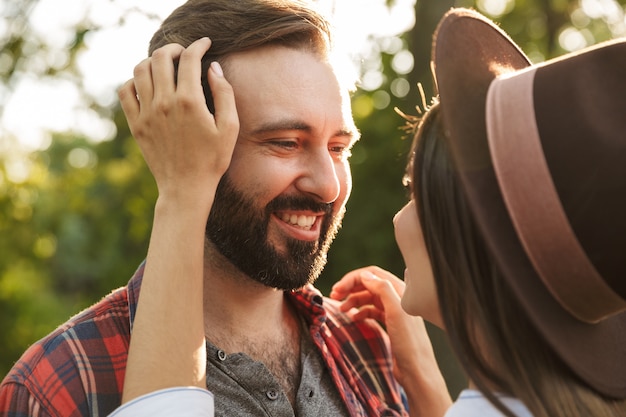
(244, 316)
(241, 308)
(238, 309)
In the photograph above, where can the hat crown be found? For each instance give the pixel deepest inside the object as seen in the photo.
(551, 185)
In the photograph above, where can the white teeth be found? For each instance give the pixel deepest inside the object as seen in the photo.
(302, 221)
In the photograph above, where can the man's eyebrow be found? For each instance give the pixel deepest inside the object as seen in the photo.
(276, 126)
(288, 124)
(353, 133)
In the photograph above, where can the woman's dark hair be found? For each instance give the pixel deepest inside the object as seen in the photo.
(497, 345)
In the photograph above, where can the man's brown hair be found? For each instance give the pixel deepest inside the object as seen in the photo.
(240, 25)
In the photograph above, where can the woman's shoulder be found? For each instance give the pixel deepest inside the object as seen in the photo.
(472, 403)
(175, 401)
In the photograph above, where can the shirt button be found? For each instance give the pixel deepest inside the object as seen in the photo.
(272, 395)
(221, 355)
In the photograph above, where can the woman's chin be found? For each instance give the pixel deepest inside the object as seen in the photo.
(409, 305)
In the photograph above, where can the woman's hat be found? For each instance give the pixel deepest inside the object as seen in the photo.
(541, 152)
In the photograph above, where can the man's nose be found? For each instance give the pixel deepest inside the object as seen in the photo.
(320, 177)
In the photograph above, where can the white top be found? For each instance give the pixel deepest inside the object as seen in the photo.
(177, 401)
(472, 403)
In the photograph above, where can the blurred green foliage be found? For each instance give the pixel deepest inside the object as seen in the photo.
(77, 224)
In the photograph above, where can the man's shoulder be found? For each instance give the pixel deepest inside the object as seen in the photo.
(87, 354)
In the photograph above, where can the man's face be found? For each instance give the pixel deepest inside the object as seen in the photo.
(279, 205)
(239, 229)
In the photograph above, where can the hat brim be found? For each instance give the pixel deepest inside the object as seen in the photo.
(469, 52)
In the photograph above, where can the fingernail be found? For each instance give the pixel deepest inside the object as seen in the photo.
(217, 68)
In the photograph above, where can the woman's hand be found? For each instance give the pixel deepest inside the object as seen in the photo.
(187, 148)
(373, 292)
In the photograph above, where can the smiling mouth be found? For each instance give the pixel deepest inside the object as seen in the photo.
(299, 220)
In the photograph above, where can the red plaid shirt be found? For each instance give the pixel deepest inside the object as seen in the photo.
(78, 370)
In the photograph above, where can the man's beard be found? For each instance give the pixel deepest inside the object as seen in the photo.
(238, 229)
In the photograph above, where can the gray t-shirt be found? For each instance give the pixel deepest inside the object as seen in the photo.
(244, 387)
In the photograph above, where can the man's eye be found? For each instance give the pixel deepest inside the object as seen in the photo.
(286, 144)
(341, 151)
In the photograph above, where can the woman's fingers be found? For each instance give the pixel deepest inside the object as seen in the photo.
(128, 99)
(358, 300)
(381, 287)
(142, 75)
(226, 117)
(190, 67)
(368, 312)
(154, 77)
(162, 68)
(349, 283)
(373, 291)
(352, 282)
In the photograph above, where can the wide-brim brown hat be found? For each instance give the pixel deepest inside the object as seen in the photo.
(541, 152)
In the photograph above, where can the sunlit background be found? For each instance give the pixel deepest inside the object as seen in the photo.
(38, 104)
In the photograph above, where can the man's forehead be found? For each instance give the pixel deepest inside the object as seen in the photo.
(278, 87)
